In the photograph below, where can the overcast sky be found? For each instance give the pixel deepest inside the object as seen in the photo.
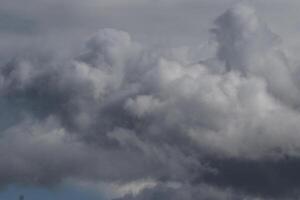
(175, 21)
(150, 99)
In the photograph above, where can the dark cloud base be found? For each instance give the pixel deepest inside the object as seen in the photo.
(269, 178)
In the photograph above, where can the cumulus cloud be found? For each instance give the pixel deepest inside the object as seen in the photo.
(158, 126)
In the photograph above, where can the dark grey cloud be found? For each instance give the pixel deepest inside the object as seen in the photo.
(121, 112)
(271, 178)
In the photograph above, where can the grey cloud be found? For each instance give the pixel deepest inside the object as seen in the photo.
(121, 111)
(187, 192)
(247, 45)
(271, 178)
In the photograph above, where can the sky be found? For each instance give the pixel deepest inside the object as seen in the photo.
(149, 99)
(62, 193)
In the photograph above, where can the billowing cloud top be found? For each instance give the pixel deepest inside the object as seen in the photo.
(152, 123)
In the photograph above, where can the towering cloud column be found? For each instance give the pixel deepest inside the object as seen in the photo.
(247, 45)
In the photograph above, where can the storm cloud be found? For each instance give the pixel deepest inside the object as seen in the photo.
(153, 122)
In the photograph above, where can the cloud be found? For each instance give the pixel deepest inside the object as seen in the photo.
(247, 45)
(122, 112)
(185, 192)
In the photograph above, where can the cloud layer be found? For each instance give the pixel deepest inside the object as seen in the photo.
(121, 112)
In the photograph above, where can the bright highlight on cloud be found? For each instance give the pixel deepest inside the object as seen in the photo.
(153, 126)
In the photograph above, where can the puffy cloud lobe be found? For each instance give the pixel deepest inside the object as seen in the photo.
(247, 45)
(121, 112)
